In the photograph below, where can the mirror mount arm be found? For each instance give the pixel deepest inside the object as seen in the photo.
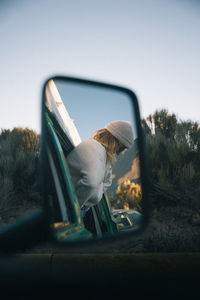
(28, 232)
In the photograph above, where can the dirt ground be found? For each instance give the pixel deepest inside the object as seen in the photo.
(166, 232)
(170, 229)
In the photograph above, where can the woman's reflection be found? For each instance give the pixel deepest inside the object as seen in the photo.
(91, 162)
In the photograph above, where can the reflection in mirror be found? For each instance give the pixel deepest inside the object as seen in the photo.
(94, 184)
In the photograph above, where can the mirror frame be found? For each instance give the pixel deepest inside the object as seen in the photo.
(142, 158)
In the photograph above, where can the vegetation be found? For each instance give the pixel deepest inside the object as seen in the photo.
(19, 154)
(129, 195)
(173, 148)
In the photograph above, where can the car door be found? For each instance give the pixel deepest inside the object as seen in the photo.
(63, 137)
(64, 211)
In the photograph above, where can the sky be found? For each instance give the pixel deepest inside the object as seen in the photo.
(149, 46)
(92, 107)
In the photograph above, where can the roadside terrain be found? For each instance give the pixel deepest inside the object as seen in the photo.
(172, 228)
(173, 148)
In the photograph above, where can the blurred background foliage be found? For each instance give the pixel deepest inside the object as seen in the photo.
(19, 156)
(173, 149)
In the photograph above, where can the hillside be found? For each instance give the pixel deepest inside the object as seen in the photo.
(126, 168)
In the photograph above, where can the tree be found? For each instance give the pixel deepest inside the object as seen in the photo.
(164, 123)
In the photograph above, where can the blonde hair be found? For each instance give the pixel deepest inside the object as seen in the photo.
(106, 139)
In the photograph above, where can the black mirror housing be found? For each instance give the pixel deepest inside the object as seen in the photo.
(60, 137)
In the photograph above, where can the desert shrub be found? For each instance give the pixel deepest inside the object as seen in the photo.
(173, 148)
(19, 154)
(129, 195)
(173, 151)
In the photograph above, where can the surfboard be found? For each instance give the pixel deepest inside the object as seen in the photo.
(57, 107)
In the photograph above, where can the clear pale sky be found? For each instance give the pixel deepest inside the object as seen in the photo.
(150, 46)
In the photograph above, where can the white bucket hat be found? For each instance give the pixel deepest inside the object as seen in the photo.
(123, 131)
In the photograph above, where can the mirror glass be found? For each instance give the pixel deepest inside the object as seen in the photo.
(93, 182)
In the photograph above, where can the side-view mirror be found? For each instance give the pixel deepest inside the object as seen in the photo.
(94, 173)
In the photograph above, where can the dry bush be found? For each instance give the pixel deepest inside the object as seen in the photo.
(173, 148)
(129, 195)
(19, 154)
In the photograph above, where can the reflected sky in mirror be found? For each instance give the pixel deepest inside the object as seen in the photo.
(92, 108)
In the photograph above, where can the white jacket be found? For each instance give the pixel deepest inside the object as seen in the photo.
(90, 170)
